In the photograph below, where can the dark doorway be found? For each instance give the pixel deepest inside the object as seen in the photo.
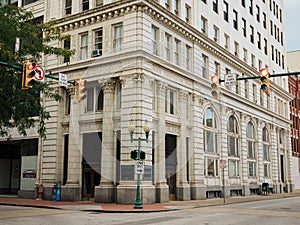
(91, 163)
(171, 164)
(282, 168)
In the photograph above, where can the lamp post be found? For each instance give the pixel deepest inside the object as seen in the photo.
(138, 203)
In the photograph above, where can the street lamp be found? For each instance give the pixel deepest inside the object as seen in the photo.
(131, 127)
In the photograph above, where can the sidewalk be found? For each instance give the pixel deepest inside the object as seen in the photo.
(158, 207)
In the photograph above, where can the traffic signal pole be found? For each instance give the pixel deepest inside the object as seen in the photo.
(271, 75)
(20, 69)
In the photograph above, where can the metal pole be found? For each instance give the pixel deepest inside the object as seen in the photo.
(224, 185)
(138, 203)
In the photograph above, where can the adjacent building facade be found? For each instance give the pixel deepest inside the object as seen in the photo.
(292, 59)
(147, 60)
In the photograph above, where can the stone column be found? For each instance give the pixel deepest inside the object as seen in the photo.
(244, 156)
(106, 191)
(183, 188)
(162, 190)
(72, 190)
(198, 189)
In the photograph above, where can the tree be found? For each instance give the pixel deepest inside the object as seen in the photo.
(24, 38)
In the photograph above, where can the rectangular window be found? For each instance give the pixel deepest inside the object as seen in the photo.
(90, 99)
(251, 169)
(215, 6)
(168, 46)
(204, 66)
(177, 51)
(258, 40)
(266, 152)
(176, 7)
(244, 27)
(68, 7)
(251, 7)
(233, 168)
(67, 45)
(227, 41)
(211, 167)
(187, 13)
(67, 102)
(188, 57)
(98, 45)
(217, 68)
(245, 55)
(118, 37)
(84, 46)
(254, 87)
(216, 33)
(236, 49)
(167, 4)
(243, 3)
(203, 25)
(251, 34)
(253, 63)
(154, 34)
(170, 102)
(85, 5)
(235, 19)
(264, 20)
(266, 170)
(211, 141)
(225, 11)
(257, 13)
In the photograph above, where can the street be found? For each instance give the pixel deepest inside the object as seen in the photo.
(268, 212)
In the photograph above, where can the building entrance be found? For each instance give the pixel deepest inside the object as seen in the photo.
(91, 164)
(171, 164)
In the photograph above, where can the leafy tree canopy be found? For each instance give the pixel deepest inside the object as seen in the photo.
(22, 38)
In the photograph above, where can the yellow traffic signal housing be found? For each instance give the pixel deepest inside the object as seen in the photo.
(215, 86)
(81, 90)
(27, 74)
(265, 80)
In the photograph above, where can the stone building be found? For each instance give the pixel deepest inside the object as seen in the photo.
(147, 60)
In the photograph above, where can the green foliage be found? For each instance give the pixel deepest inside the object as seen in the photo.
(21, 39)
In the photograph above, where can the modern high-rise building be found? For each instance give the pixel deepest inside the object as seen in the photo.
(148, 60)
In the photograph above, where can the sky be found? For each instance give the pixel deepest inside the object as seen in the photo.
(292, 24)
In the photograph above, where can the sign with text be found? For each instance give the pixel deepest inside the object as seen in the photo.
(230, 79)
(139, 167)
(63, 80)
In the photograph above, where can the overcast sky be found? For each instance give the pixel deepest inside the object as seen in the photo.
(292, 24)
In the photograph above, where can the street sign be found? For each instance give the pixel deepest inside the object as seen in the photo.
(230, 79)
(39, 74)
(139, 167)
(223, 164)
(63, 80)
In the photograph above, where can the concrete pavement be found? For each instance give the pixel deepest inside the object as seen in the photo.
(158, 207)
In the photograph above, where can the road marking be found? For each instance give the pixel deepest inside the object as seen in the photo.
(6, 214)
(247, 212)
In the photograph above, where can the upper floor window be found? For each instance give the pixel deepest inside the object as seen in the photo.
(235, 19)
(94, 98)
(99, 2)
(168, 46)
(85, 5)
(68, 7)
(67, 45)
(204, 1)
(243, 3)
(187, 13)
(215, 6)
(266, 143)
(167, 4)
(252, 34)
(203, 25)
(217, 68)
(244, 27)
(257, 13)
(84, 46)
(170, 99)
(251, 141)
(251, 7)
(225, 11)
(26, 2)
(154, 35)
(216, 34)
(210, 131)
(204, 65)
(264, 20)
(118, 37)
(188, 53)
(233, 140)
(98, 43)
(176, 7)
(177, 51)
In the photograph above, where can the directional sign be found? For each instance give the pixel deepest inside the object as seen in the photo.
(230, 79)
(63, 80)
(39, 74)
(139, 167)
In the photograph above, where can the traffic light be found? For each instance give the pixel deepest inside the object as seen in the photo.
(134, 154)
(265, 80)
(142, 155)
(215, 86)
(28, 71)
(81, 89)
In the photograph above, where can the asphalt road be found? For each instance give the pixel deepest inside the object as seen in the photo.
(284, 211)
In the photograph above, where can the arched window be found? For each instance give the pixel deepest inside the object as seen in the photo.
(233, 146)
(266, 152)
(211, 159)
(251, 150)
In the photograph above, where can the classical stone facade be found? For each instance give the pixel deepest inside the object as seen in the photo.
(152, 60)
